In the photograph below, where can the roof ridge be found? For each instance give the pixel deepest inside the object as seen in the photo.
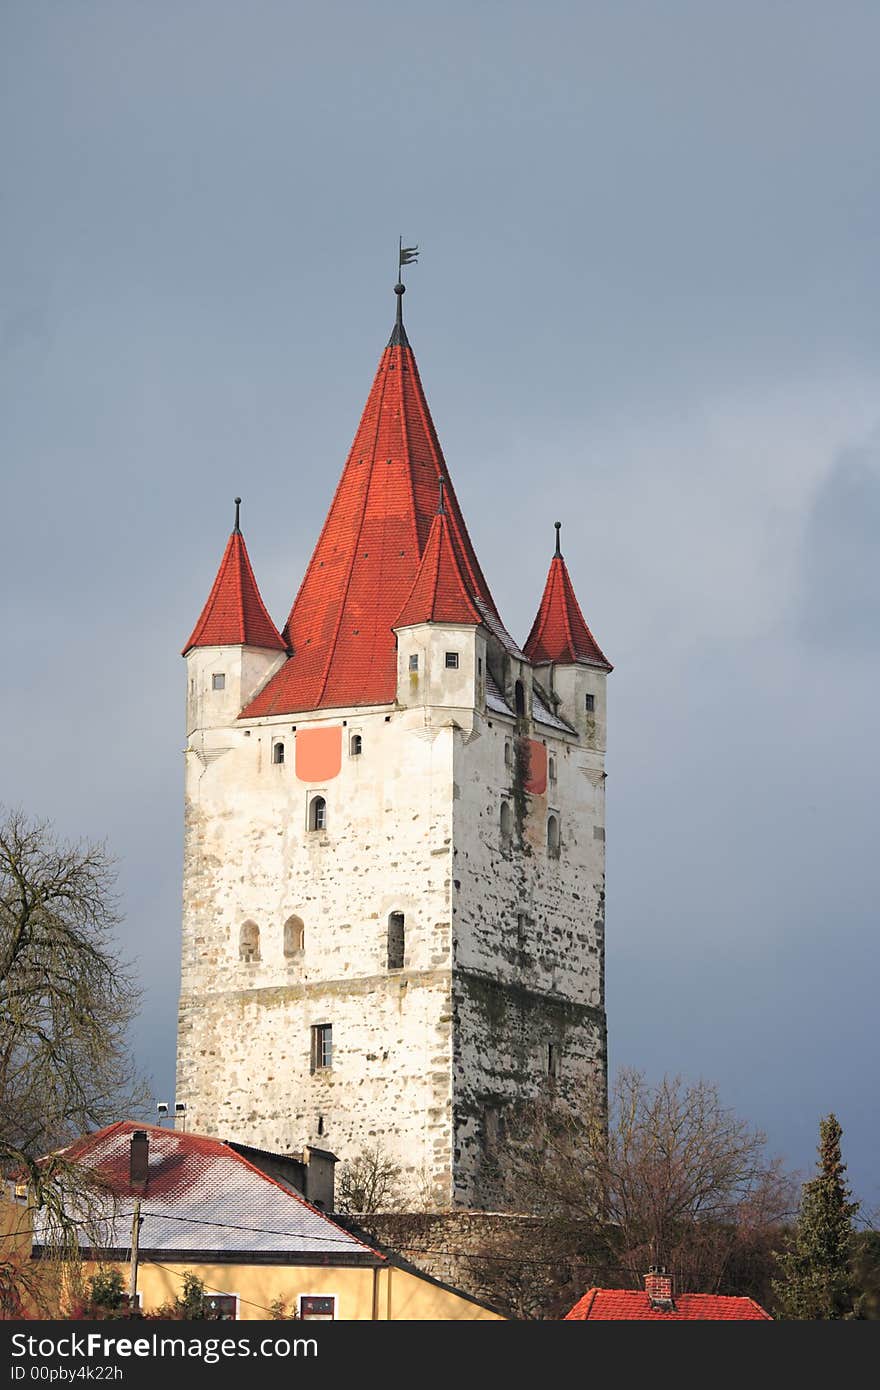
(562, 571)
(456, 510)
(228, 1146)
(331, 649)
(407, 451)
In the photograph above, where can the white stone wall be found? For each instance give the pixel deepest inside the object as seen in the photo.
(504, 942)
(245, 1028)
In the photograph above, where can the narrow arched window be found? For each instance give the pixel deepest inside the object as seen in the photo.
(294, 936)
(551, 769)
(553, 834)
(318, 813)
(519, 699)
(356, 746)
(249, 942)
(505, 820)
(278, 752)
(508, 754)
(396, 940)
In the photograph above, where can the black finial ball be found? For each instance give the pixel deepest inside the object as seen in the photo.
(399, 288)
(238, 501)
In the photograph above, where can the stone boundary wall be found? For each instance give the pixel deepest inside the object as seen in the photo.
(526, 1267)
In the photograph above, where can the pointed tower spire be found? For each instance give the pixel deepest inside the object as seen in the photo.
(398, 333)
(364, 566)
(559, 632)
(235, 614)
(440, 591)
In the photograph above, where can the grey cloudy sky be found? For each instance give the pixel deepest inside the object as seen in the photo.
(647, 304)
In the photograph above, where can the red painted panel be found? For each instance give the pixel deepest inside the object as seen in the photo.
(536, 779)
(319, 754)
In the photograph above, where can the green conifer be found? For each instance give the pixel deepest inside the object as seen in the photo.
(815, 1282)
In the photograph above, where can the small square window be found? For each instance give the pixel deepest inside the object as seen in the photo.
(322, 1046)
(589, 703)
(452, 661)
(414, 662)
(218, 681)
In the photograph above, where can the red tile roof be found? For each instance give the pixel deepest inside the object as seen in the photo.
(235, 614)
(559, 632)
(613, 1305)
(440, 592)
(202, 1195)
(368, 555)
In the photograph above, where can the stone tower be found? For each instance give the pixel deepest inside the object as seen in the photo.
(393, 899)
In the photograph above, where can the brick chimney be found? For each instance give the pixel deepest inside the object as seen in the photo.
(139, 1161)
(658, 1287)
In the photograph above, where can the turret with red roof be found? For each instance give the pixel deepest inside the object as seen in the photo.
(235, 645)
(568, 660)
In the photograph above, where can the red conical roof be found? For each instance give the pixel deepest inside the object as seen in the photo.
(368, 554)
(235, 614)
(439, 594)
(559, 632)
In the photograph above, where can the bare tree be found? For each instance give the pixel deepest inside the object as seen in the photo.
(667, 1175)
(368, 1182)
(66, 1000)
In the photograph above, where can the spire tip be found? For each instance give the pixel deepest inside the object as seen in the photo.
(558, 525)
(236, 530)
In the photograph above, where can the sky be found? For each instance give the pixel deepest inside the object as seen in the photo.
(646, 304)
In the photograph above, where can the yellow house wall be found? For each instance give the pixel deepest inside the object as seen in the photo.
(399, 1295)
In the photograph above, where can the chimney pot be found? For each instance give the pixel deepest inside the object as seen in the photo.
(139, 1161)
(658, 1287)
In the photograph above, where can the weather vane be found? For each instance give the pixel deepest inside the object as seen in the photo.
(406, 255)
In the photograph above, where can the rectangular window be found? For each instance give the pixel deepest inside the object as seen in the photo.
(218, 681)
(552, 1060)
(315, 1306)
(396, 940)
(322, 1046)
(221, 1307)
(589, 703)
(414, 662)
(452, 661)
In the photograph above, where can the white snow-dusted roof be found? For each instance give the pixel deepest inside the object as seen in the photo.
(202, 1196)
(497, 628)
(543, 715)
(495, 701)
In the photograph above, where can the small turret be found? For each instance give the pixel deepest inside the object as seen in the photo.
(234, 647)
(441, 651)
(569, 661)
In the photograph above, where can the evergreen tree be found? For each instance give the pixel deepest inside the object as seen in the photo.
(815, 1282)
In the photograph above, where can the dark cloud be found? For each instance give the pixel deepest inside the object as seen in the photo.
(840, 595)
